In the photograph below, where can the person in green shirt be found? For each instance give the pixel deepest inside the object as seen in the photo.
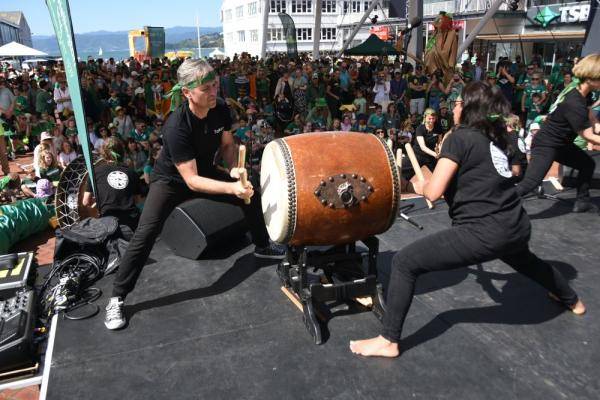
(535, 109)
(44, 102)
(243, 127)
(536, 86)
(262, 84)
(294, 127)
(139, 133)
(435, 91)
(376, 120)
(21, 102)
(360, 103)
(454, 89)
(315, 90)
(319, 116)
(492, 79)
(71, 131)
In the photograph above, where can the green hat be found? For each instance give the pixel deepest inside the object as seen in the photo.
(491, 74)
(443, 104)
(321, 102)
(468, 75)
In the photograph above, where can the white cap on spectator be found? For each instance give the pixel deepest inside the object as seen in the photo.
(139, 90)
(134, 73)
(534, 126)
(46, 135)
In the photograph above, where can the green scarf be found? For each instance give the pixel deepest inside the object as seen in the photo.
(176, 93)
(563, 94)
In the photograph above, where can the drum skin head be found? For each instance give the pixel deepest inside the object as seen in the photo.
(274, 192)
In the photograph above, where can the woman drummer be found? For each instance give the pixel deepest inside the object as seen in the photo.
(488, 220)
(568, 118)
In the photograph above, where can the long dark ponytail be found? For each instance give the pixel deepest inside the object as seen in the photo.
(485, 108)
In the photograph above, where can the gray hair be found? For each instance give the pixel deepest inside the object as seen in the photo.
(190, 70)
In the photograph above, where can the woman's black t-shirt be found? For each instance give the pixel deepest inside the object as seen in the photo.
(116, 187)
(430, 137)
(187, 137)
(482, 191)
(563, 125)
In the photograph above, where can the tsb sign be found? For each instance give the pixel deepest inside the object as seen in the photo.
(574, 13)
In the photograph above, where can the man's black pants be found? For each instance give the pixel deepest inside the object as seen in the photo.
(162, 198)
(570, 155)
(459, 247)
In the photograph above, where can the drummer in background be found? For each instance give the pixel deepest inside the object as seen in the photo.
(117, 186)
(194, 132)
(488, 220)
(427, 136)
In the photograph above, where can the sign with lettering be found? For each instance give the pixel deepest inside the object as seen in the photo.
(565, 13)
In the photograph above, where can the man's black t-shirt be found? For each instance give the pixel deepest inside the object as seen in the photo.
(482, 191)
(418, 80)
(116, 187)
(446, 122)
(187, 137)
(563, 125)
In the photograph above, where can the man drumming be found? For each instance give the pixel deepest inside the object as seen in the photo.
(195, 131)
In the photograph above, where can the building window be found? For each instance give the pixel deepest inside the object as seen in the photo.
(328, 6)
(252, 8)
(303, 34)
(227, 15)
(301, 6)
(346, 6)
(278, 6)
(254, 35)
(241, 36)
(239, 11)
(356, 6)
(328, 33)
(275, 35)
(229, 37)
(367, 5)
(346, 33)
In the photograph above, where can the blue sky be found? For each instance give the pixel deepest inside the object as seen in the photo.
(119, 15)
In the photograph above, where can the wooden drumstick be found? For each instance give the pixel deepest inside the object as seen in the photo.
(242, 165)
(415, 164)
(399, 157)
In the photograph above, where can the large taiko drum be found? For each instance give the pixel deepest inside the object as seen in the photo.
(328, 188)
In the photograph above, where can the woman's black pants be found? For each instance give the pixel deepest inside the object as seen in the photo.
(570, 155)
(460, 247)
(162, 199)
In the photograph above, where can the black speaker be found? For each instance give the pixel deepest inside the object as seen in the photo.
(570, 175)
(201, 224)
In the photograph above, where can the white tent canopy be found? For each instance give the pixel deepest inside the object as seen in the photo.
(216, 53)
(14, 49)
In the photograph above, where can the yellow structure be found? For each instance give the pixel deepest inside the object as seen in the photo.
(179, 54)
(154, 42)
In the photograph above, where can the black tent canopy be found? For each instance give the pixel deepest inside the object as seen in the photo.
(373, 46)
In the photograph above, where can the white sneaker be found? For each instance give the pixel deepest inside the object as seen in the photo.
(114, 314)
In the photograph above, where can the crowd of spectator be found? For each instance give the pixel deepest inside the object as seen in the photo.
(268, 98)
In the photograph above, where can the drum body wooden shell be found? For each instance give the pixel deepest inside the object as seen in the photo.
(296, 172)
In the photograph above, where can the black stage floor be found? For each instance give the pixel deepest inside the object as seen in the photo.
(222, 329)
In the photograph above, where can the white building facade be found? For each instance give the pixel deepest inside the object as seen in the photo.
(243, 24)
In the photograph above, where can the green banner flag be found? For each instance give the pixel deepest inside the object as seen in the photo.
(63, 27)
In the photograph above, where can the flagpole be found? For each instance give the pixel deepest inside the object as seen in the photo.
(198, 34)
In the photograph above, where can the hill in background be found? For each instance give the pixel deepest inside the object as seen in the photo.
(177, 37)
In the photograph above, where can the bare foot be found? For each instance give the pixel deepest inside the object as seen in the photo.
(377, 346)
(577, 309)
